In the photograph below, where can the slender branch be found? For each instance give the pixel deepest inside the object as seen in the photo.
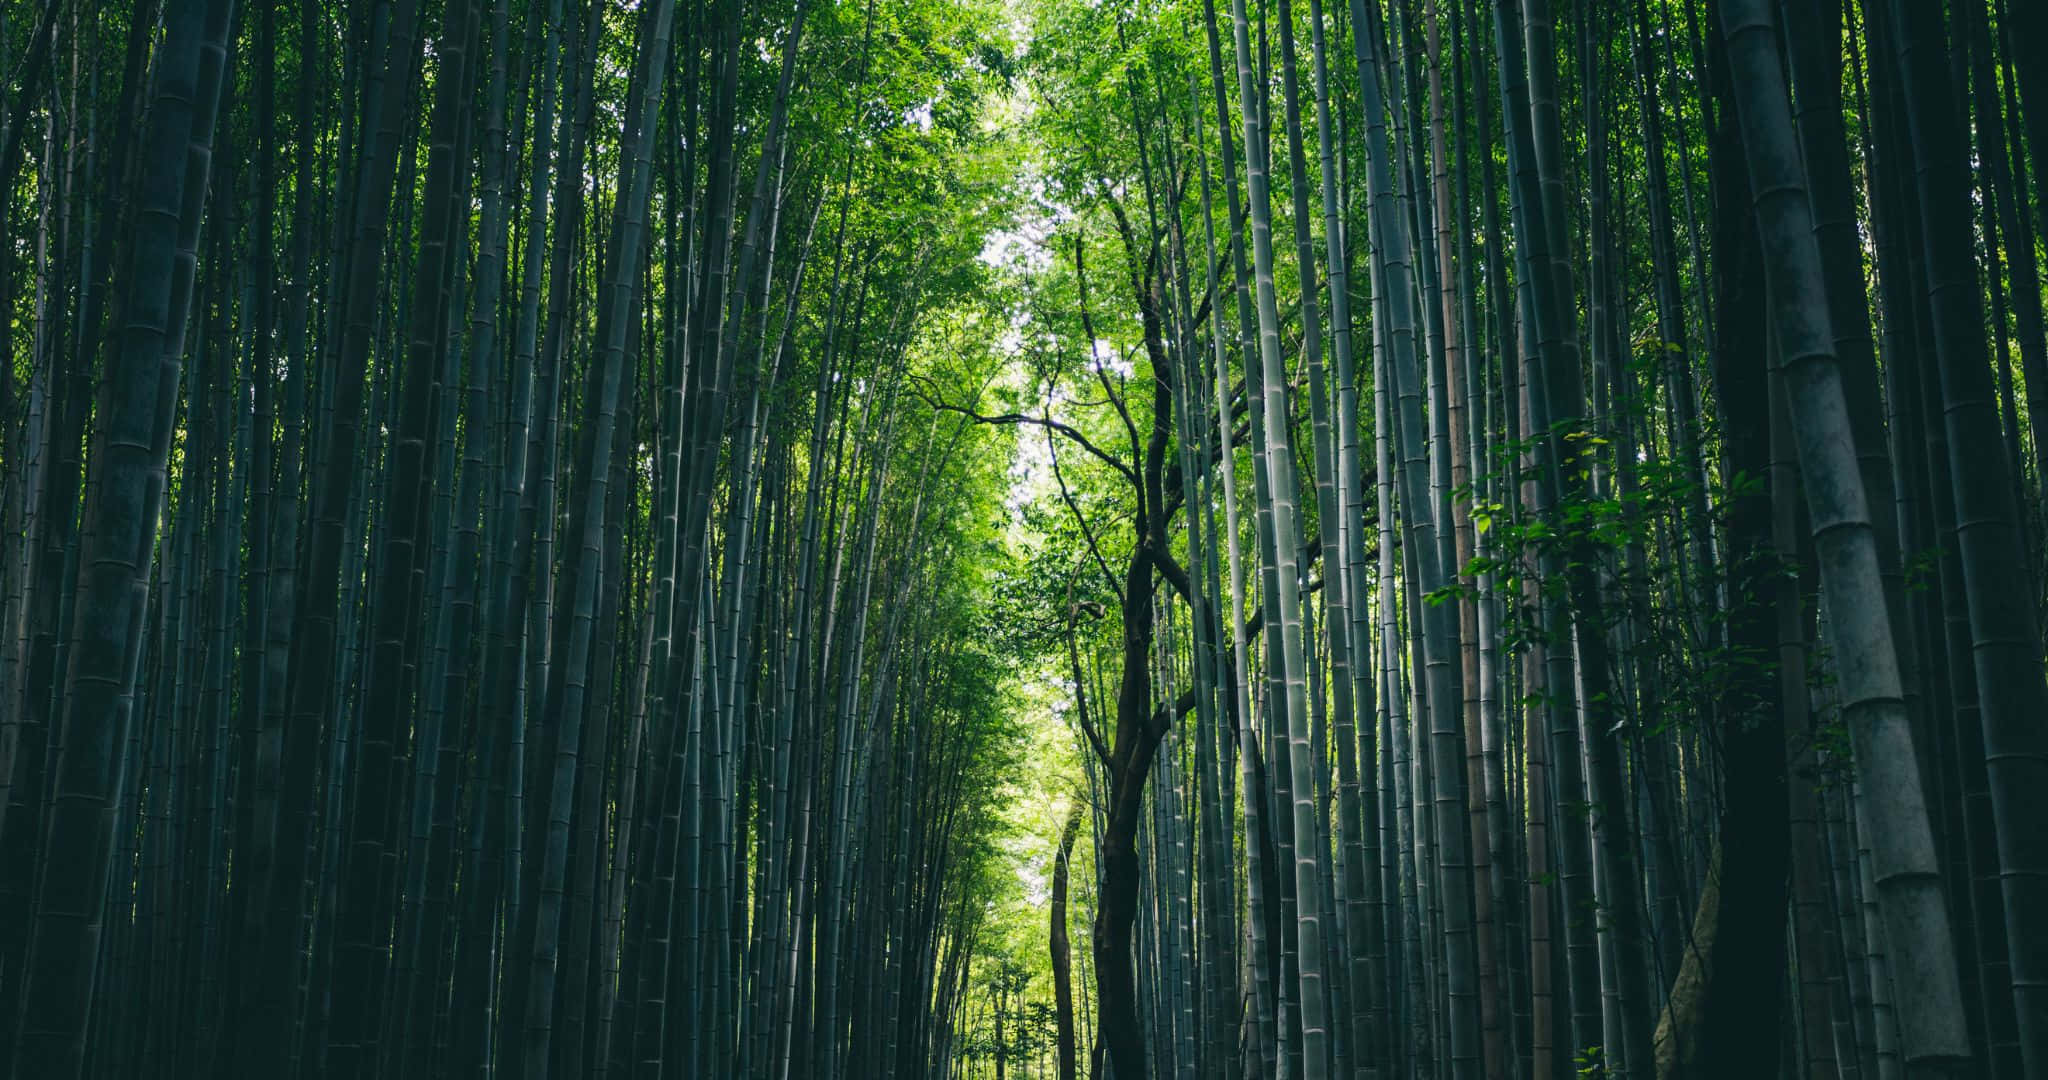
(1020, 418)
(1081, 699)
(1087, 533)
(1088, 328)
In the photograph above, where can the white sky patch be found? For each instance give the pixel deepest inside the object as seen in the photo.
(1016, 248)
(1030, 473)
(1025, 246)
(919, 114)
(1106, 358)
(1030, 470)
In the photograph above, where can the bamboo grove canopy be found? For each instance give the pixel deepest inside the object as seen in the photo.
(1213, 539)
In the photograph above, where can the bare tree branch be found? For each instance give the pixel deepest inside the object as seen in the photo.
(1020, 418)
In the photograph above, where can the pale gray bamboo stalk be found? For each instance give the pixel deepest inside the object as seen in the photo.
(1903, 866)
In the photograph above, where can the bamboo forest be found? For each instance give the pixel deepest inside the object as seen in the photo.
(1023, 539)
